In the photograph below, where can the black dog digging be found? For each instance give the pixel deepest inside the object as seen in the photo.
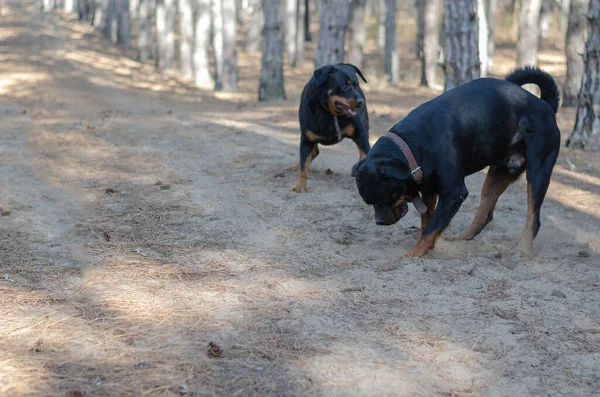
(332, 107)
(486, 122)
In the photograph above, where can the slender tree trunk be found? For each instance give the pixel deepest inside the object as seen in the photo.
(586, 134)
(491, 10)
(529, 23)
(460, 27)
(429, 48)
(483, 37)
(332, 32)
(307, 34)
(144, 39)
(545, 18)
(230, 72)
(100, 11)
(112, 21)
(392, 62)
(165, 35)
(271, 85)
(69, 5)
(124, 24)
(255, 28)
(186, 38)
(565, 6)
(294, 32)
(575, 46)
(202, 76)
(420, 4)
(381, 27)
(356, 27)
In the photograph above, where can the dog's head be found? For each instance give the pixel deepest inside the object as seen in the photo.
(384, 181)
(338, 89)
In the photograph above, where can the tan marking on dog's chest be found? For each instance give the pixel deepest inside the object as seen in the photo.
(312, 137)
(349, 131)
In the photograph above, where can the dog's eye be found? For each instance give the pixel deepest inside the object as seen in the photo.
(345, 87)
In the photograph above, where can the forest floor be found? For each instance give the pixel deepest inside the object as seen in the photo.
(144, 219)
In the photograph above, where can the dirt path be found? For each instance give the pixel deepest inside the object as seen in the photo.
(148, 219)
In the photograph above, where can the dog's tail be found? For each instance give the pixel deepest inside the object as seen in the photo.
(531, 75)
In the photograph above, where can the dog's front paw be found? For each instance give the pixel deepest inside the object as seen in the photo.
(299, 187)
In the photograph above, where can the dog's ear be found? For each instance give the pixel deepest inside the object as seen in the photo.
(321, 75)
(357, 70)
(357, 166)
(393, 168)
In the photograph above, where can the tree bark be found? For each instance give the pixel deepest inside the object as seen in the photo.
(545, 18)
(332, 32)
(381, 27)
(575, 46)
(255, 28)
(356, 28)
(428, 47)
(392, 63)
(100, 11)
(294, 32)
(307, 34)
(186, 38)
(271, 85)
(586, 134)
(230, 72)
(144, 39)
(460, 39)
(483, 37)
(529, 23)
(69, 5)
(124, 24)
(565, 6)
(491, 10)
(165, 35)
(217, 41)
(202, 77)
(112, 21)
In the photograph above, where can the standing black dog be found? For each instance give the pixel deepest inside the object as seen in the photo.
(332, 108)
(486, 122)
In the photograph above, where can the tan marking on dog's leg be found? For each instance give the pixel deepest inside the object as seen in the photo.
(425, 244)
(526, 241)
(300, 186)
(430, 202)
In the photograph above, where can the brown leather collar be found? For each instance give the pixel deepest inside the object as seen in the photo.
(415, 171)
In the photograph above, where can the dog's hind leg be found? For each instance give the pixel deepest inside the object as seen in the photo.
(495, 184)
(308, 152)
(539, 172)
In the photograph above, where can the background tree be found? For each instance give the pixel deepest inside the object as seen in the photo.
(69, 5)
(529, 24)
(586, 134)
(460, 42)
(255, 26)
(165, 35)
(202, 77)
(381, 26)
(186, 38)
(427, 40)
(332, 32)
(144, 39)
(111, 23)
(124, 24)
(217, 41)
(230, 72)
(392, 63)
(307, 34)
(271, 85)
(491, 11)
(483, 37)
(100, 10)
(357, 33)
(294, 32)
(574, 48)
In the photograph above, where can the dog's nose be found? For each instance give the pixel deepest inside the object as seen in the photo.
(380, 221)
(360, 103)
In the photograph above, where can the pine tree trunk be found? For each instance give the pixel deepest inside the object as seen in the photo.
(545, 18)
(491, 10)
(165, 35)
(392, 63)
(202, 77)
(332, 32)
(529, 23)
(586, 134)
(356, 27)
(186, 38)
(460, 39)
(144, 39)
(307, 34)
(271, 85)
(294, 32)
(565, 6)
(69, 5)
(124, 27)
(112, 21)
(428, 47)
(218, 41)
(420, 4)
(575, 46)
(381, 27)
(483, 37)
(230, 72)
(255, 27)
(100, 11)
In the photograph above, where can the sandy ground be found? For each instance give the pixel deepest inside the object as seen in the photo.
(144, 219)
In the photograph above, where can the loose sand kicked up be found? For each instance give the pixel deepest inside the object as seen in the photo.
(149, 245)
